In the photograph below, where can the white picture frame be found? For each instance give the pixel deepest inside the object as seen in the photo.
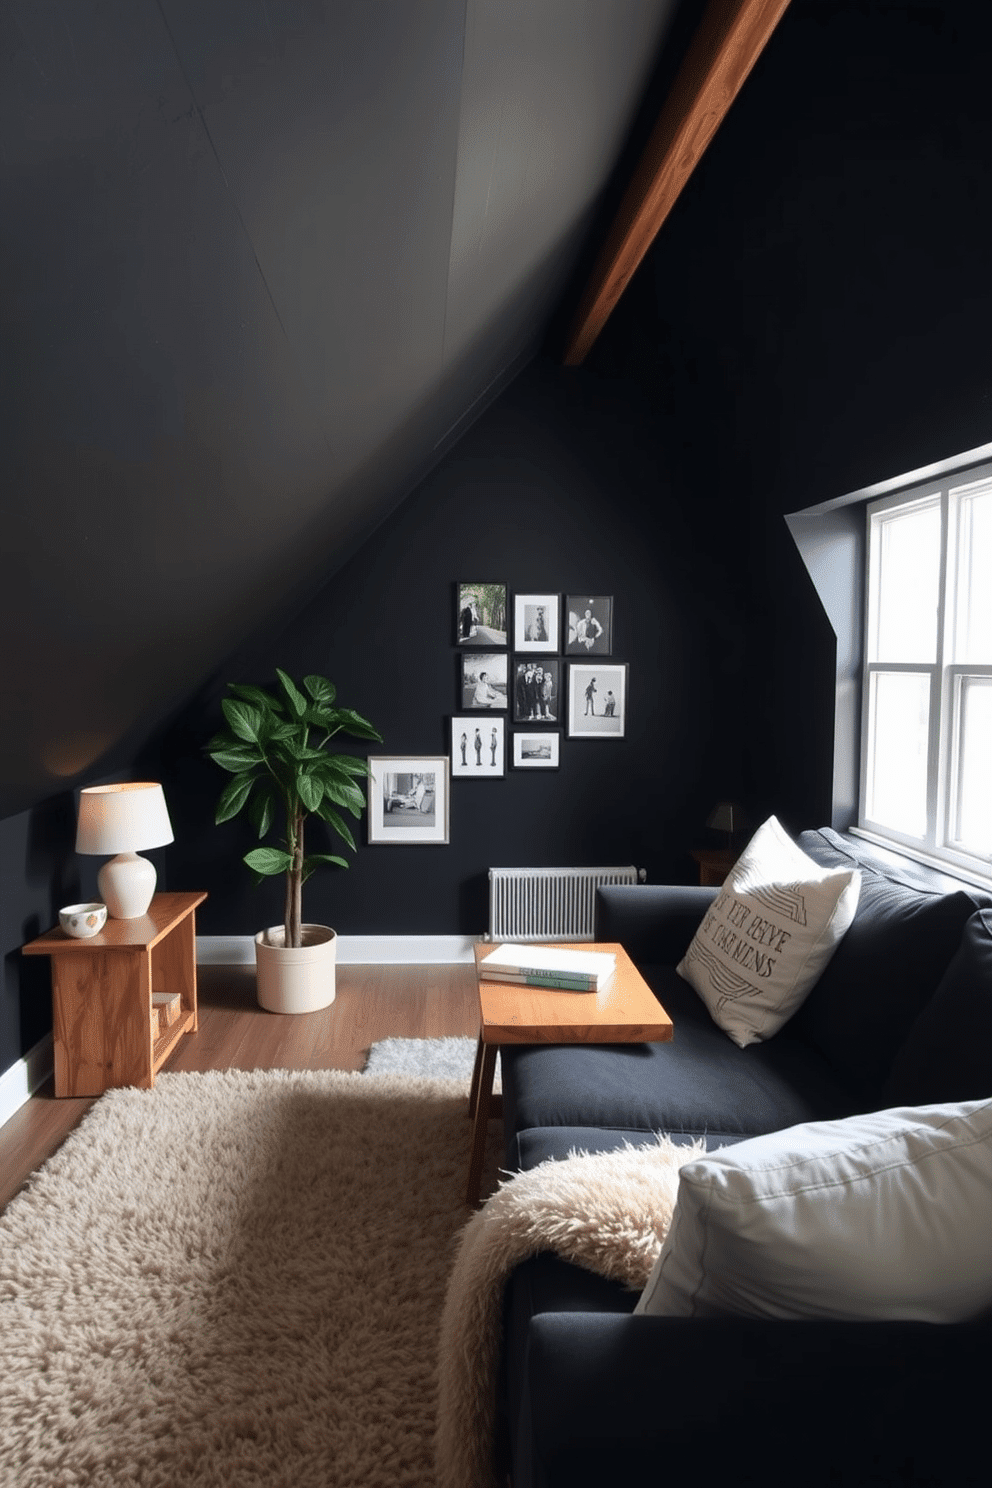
(478, 747)
(408, 799)
(536, 622)
(537, 750)
(597, 700)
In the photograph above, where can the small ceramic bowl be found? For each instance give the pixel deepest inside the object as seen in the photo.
(83, 920)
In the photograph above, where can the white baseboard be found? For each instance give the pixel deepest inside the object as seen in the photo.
(353, 950)
(19, 1083)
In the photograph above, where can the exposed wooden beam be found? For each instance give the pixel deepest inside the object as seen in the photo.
(730, 39)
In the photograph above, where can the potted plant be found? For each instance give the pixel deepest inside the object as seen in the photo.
(275, 747)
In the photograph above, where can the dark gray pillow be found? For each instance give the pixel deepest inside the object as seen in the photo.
(880, 978)
(948, 1054)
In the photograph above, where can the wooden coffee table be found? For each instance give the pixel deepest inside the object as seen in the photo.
(625, 1011)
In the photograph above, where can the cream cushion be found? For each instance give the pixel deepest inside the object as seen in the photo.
(881, 1216)
(768, 935)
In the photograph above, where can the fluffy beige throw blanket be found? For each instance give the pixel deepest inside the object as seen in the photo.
(607, 1211)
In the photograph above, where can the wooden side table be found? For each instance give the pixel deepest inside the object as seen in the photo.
(105, 1030)
(714, 863)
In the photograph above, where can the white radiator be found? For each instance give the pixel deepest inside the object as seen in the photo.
(547, 903)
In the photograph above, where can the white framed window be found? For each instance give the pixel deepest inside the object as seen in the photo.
(926, 754)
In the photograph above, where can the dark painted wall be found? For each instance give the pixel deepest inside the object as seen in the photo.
(560, 487)
(814, 317)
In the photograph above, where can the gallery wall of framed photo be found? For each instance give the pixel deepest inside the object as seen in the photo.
(533, 670)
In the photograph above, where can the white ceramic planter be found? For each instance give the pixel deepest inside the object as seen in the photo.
(297, 979)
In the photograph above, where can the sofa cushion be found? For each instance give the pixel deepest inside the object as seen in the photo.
(883, 973)
(700, 1083)
(948, 1054)
(769, 934)
(881, 1216)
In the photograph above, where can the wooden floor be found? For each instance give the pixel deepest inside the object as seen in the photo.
(373, 1002)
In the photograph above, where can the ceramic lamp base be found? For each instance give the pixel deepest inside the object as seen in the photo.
(127, 884)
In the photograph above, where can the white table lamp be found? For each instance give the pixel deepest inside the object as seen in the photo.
(120, 819)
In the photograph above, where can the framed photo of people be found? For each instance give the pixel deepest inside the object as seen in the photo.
(408, 799)
(597, 700)
(480, 615)
(536, 689)
(478, 748)
(537, 750)
(589, 625)
(482, 680)
(536, 622)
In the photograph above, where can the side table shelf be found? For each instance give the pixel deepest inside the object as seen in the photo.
(104, 1024)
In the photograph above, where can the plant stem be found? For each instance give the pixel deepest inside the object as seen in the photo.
(294, 883)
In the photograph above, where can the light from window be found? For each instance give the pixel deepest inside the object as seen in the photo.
(927, 734)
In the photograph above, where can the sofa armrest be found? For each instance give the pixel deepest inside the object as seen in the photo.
(653, 922)
(617, 1398)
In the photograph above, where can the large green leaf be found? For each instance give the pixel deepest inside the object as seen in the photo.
(334, 819)
(262, 809)
(233, 797)
(309, 864)
(269, 860)
(311, 791)
(353, 723)
(248, 693)
(322, 691)
(236, 757)
(294, 697)
(345, 793)
(244, 720)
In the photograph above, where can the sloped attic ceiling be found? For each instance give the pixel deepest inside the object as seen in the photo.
(261, 259)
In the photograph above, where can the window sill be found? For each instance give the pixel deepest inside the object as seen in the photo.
(948, 870)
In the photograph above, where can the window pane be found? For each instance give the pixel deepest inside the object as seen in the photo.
(973, 826)
(898, 730)
(974, 577)
(907, 583)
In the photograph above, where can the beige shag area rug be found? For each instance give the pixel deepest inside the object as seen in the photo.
(234, 1279)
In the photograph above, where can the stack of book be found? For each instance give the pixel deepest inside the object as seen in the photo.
(544, 966)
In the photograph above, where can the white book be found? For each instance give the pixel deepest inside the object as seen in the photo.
(527, 960)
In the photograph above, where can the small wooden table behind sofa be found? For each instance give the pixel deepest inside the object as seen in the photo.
(625, 1011)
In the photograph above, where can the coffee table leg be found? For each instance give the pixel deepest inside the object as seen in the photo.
(473, 1094)
(482, 1087)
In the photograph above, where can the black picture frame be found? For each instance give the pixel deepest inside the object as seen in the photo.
(597, 700)
(588, 625)
(536, 623)
(537, 749)
(481, 616)
(478, 747)
(482, 684)
(533, 699)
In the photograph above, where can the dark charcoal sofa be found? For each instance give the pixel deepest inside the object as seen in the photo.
(592, 1394)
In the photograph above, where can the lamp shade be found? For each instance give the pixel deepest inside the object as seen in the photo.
(119, 819)
(725, 816)
(122, 818)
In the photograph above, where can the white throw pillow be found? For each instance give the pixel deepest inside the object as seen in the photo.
(887, 1215)
(768, 935)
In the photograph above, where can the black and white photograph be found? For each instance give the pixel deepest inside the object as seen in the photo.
(597, 701)
(540, 751)
(408, 799)
(536, 690)
(483, 680)
(536, 622)
(478, 748)
(480, 618)
(589, 621)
